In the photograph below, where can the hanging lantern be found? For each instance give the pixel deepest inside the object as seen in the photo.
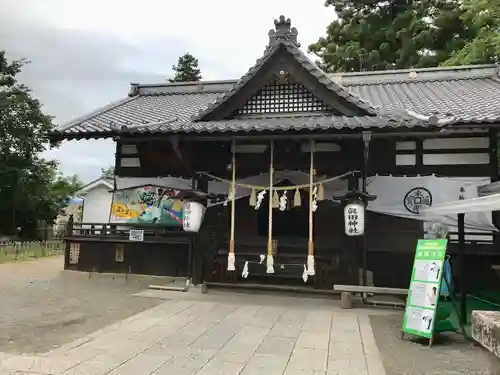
(354, 218)
(355, 210)
(193, 213)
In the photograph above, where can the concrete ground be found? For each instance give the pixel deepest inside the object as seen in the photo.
(40, 308)
(219, 333)
(450, 354)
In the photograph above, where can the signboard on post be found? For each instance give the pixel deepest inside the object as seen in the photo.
(425, 285)
(136, 235)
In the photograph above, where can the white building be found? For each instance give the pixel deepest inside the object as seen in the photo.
(97, 198)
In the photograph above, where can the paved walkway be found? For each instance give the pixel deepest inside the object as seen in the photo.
(192, 335)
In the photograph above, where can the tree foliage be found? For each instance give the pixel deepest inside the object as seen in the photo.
(108, 172)
(31, 190)
(392, 34)
(484, 15)
(186, 70)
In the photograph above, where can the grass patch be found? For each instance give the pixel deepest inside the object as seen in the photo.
(23, 251)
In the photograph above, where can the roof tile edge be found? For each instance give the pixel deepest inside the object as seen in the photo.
(348, 78)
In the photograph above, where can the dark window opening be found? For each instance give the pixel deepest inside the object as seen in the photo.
(293, 222)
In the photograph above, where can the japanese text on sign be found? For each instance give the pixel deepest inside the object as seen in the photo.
(354, 217)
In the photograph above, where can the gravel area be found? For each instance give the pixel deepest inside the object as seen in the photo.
(42, 308)
(450, 354)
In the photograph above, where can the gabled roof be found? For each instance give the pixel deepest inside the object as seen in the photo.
(292, 48)
(397, 98)
(102, 181)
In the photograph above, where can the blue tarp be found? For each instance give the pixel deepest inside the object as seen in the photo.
(447, 277)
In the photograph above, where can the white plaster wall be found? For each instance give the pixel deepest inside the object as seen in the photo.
(97, 205)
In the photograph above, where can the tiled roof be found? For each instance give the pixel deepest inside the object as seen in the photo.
(472, 93)
(150, 110)
(263, 124)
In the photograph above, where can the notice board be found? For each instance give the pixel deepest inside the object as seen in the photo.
(423, 295)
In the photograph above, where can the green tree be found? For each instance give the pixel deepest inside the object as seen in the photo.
(393, 34)
(30, 188)
(186, 69)
(60, 189)
(108, 172)
(484, 15)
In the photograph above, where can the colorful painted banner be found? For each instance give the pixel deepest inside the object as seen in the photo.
(425, 285)
(148, 205)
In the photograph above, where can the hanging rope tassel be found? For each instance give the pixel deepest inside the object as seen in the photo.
(310, 245)
(270, 264)
(253, 198)
(297, 199)
(310, 265)
(276, 200)
(270, 259)
(231, 261)
(321, 193)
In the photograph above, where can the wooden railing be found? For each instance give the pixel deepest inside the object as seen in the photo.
(475, 237)
(400, 240)
(114, 232)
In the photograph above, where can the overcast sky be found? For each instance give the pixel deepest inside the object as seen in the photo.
(84, 54)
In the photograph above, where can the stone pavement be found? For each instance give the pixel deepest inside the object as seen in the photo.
(247, 335)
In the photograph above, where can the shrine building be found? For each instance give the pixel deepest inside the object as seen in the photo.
(240, 180)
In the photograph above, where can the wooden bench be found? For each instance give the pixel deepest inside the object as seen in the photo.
(347, 292)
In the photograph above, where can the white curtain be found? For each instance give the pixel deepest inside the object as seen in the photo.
(397, 196)
(403, 196)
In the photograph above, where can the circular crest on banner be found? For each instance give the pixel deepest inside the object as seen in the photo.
(417, 198)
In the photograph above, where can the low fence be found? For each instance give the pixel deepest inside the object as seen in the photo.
(18, 251)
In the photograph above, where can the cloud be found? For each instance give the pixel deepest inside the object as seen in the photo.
(85, 53)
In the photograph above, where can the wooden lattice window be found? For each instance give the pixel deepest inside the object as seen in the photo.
(282, 97)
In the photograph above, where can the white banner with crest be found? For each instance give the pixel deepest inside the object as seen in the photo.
(405, 196)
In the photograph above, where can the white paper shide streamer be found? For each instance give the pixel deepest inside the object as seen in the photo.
(283, 201)
(245, 272)
(305, 276)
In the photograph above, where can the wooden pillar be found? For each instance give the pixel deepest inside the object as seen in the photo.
(199, 242)
(461, 259)
(67, 242)
(352, 248)
(118, 156)
(367, 136)
(494, 173)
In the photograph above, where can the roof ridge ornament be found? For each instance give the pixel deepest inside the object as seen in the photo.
(284, 32)
(433, 119)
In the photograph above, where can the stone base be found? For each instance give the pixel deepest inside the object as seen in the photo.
(346, 300)
(486, 331)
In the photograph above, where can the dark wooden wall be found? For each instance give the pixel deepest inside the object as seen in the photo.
(163, 158)
(159, 259)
